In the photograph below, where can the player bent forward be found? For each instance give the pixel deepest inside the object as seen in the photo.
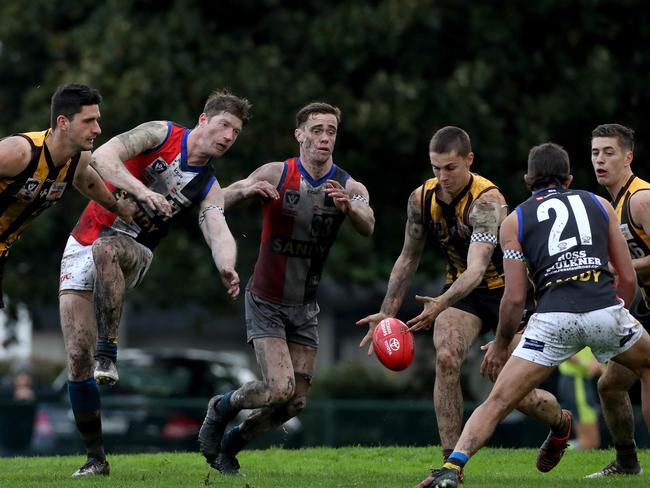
(567, 237)
(165, 168)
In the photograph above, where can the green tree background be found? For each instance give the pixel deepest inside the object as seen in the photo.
(512, 73)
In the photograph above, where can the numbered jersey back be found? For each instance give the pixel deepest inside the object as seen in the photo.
(564, 236)
(298, 231)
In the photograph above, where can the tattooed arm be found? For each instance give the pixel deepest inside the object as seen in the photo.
(403, 269)
(109, 160)
(513, 301)
(219, 238)
(90, 184)
(354, 201)
(485, 216)
(261, 183)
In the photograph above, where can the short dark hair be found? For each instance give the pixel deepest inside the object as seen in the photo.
(317, 108)
(450, 139)
(625, 135)
(69, 100)
(548, 164)
(223, 101)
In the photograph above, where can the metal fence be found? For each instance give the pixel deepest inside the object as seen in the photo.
(323, 423)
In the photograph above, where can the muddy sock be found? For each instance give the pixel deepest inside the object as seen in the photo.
(106, 348)
(232, 441)
(224, 408)
(445, 454)
(86, 407)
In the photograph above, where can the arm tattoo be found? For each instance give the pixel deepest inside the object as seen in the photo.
(207, 208)
(485, 218)
(414, 222)
(145, 136)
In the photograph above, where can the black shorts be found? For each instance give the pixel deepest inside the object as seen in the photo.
(482, 303)
(640, 309)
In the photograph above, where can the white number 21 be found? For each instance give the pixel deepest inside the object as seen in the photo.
(555, 244)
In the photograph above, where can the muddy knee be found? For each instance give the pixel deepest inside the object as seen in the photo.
(80, 364)
(292, 408)
(104, 253)
(447, 362)
(296, 405)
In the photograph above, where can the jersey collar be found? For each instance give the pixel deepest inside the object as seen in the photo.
(315, 183)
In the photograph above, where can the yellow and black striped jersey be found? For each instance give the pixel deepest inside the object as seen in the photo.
(39, 186)
(637, 240)
(449, 226)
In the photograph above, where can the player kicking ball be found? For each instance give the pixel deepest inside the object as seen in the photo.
(567, 238)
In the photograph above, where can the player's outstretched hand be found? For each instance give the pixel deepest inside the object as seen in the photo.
(262, 189)
(156, 202)
(431, 310)
(339, 194)
(371, 321)
(230, 280)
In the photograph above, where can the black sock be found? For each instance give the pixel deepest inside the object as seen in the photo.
(106, 348)
(626, 454)
(86, 407)
(445, 454)
(224, 408)
(232, 441)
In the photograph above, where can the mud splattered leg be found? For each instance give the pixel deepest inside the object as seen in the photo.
(454, 333)
(79, 335)
(79, 332)
(115, 258)
(613, 386)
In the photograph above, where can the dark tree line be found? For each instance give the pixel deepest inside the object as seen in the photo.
(513, 74)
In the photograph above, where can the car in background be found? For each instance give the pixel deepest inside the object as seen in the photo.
(158, 404)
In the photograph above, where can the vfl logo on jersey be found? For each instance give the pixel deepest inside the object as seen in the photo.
(28, 191)
(291, 199)
(56, 191)
(159, 166)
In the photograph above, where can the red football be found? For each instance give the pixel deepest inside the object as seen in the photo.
(394, 344)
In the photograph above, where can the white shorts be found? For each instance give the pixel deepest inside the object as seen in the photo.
(553, 337)
(78, 268)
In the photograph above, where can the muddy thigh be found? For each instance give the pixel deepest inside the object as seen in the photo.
(117, 259)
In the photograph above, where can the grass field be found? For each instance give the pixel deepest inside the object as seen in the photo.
(385, 467)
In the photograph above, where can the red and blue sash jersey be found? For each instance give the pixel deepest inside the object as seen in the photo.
(163, 169)
(298, 230)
